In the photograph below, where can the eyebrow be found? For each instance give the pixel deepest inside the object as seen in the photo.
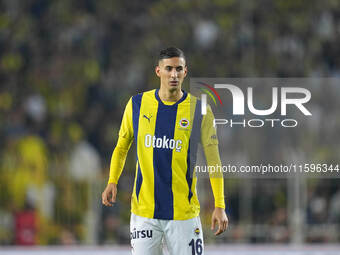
(174, 66)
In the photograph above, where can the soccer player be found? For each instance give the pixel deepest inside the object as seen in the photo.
(167, 124)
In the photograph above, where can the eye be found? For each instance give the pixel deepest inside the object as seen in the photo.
(179, 68)
(168, 68)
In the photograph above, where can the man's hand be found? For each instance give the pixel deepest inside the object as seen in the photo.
(221, 218)
(109, 194)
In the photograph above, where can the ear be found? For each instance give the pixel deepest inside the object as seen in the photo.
(185, 71)
(157, 71)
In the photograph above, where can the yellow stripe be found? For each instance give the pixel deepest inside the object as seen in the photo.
(146, 204)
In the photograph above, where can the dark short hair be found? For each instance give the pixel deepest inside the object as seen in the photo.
(171, 52)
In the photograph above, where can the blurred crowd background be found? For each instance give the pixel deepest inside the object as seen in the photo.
(67, 69)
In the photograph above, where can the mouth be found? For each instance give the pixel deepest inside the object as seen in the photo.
(173, 83)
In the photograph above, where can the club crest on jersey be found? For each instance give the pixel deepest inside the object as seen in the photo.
(184, 123)
(197, 231)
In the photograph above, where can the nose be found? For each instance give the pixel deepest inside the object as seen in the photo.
(174, 73)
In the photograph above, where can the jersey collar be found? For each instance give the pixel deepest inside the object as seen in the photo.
(185, 94)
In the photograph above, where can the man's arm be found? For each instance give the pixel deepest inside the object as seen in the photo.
(119, 156)
(210, 146)
(217, 184)
(116, 167)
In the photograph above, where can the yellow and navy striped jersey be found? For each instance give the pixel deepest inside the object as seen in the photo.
(166, 137)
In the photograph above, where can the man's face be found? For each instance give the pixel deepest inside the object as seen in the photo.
(171, 71)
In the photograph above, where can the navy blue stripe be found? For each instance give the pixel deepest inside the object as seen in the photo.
(136, 103)
(193, 145)
(138, 181)
(162, 159)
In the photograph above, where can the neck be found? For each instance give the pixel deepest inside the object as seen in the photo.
(170, 95)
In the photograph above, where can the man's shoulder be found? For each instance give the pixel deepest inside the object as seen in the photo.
(148, 96)
(145, 93)
(192, 97)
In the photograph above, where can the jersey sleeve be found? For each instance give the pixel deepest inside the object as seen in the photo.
(216, 179)
(124, 142)
(209, 142)
(126, 128)
(208, 131)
